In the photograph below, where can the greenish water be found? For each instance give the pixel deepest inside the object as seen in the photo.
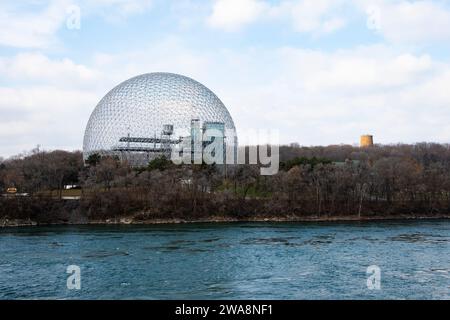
(228, 261)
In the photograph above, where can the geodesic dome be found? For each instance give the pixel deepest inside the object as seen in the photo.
(142, 105)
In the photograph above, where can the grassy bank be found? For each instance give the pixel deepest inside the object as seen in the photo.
(216, 219)
(51, 211)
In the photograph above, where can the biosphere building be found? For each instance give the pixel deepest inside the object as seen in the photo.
(149, 115)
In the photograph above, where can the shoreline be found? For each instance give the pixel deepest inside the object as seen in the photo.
(6, 223)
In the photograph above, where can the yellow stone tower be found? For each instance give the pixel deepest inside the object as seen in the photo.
(366, 141)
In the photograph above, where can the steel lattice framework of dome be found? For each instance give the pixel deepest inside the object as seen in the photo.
(143, 105)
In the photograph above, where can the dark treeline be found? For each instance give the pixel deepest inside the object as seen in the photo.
(320, 182)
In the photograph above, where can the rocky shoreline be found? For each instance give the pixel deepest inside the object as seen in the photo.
(217, 219)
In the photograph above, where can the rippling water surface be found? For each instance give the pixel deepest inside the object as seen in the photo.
(228, 261)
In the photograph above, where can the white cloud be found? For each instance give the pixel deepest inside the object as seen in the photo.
(398, 21)
(28, 28)
(127, 7)
(115, 10)
(312, 16)
(37, 26)
(359, 69)
(316, 16)
(409, 22)
(231, 15)
(46, 101)
(418, 22)
(37, 68)
(52, 117)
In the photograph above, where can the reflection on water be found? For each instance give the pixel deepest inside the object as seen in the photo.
(228, 261)
(420, 237)
(105, 254)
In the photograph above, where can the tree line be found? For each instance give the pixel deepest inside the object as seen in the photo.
(342, 180)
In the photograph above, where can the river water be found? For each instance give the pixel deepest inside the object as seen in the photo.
(229, 261)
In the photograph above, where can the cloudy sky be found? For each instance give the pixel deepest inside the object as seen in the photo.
(318, 71)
